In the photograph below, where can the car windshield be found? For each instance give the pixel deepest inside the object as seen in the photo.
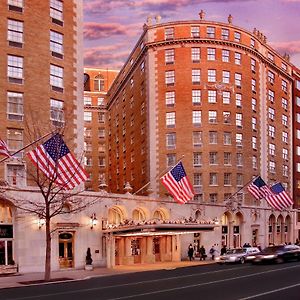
(273, 249)
(235, 251)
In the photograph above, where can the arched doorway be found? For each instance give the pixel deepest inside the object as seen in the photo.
(225, 223)
(237, 230)
(271, 229)
(280, 230)
(287, 229)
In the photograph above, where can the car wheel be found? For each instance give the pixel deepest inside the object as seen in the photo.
(279, 260)
(242, 260)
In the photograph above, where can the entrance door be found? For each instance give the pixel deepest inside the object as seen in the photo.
(66, 257)
(117, 251)
(156, 248)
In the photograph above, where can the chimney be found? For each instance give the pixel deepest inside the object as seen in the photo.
(230, 19)
(149, 21)
(202, 14)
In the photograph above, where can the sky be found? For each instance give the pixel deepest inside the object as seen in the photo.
(112, 27)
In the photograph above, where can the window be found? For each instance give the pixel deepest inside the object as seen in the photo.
(237, 58)
(254, 162)
(142, 67)
(253, 65)
(195, 54)
(170, 78)
(101, 101)
(101, 133)
(298, 101)
(196, 97)
(99, 83)
(285, 120)
(171, 159)
(227, 158)
(211, 75)
(284, 85)
(253, 104)
(197, 162)
(56, 112)
(239, 139)
(285, 137)
(170, 119)
(197, 179)
(213, 158)
(101, 117)
(271, 96)
(15, 5)
(56, 11)
(211, 54)
(239, 159)
(210, 32)
(298, 118)
(142, 108)
(253, 85)
(15, 69)
(298, 85)
(225, 55)
(212, 116)
(197, 138)
(170, 98)
(88, 162)
(227, 138)
(284, 103)
(169, 56)
(16, 175)
(15, 106)
(226, 117)
(285, 170)
(171, 140)
(271, 77)
(271, 131)
(254, 123)
(225, 34)
(56, 44)
(238, 100)
(239, 179)
(131, 82)
(212, 96)
(213, 198)
(226, 97)
(237, 36)
(270, 56)
(285, 154)
(283, 66)
(238, 79)
(195, 76)
(87, 116)
(87, 146)
(87, 100)
(227, 178)
(252, 43)
(213, 179)
(213, 137)
(238, 119)
(56, 78)
(197, 117)
(101, 162)
(14, 139)
(15, 33)
(272, 149)
(195, 31)
(169, 33)
(254, 143)
(271, 113)
(272, 166)
(226, 77)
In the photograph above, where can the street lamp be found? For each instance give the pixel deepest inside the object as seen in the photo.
(93, 220)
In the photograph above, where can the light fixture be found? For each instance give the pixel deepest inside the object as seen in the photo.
(41, 222)
(216, 220)
(93, 220)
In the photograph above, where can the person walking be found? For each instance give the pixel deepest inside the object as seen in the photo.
(191, 252)
(223, 250)
(202, 253)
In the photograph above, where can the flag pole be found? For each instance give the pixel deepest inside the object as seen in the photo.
(157, 176)
(28, 145)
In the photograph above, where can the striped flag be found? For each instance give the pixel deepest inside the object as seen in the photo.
(279, 198)
(4, 149)
(258, 188)
(56, 161)
(177, 183)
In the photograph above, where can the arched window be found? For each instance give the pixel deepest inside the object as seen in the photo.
(158, 214)
(115, 216)
(138, 215)
(99, 83)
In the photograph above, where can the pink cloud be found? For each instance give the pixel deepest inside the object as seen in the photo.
(292, 47)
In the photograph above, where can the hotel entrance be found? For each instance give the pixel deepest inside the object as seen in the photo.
(66, 248)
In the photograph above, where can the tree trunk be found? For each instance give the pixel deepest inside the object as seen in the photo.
(48, 248)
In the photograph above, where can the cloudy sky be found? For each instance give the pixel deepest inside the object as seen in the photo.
(112, 27)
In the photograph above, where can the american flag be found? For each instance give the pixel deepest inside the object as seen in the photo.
(177, 183)
(56, 161)
(258, 188)
(279, 198)
(4, 149)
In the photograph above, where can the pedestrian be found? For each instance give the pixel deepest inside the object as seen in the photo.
(191, 252)
(223, 250)
(202, 252)
(213, 252)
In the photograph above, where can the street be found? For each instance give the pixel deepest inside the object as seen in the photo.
(234, 282)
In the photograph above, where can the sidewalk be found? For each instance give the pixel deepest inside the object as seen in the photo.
(81, 274)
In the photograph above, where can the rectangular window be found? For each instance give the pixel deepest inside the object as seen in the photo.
(101, 117)
(298, 117)
(238, 119)
(271, 77)
(227, 138)
(197, 138)
(196, 97)
(101, 133)
(239, 139)
(225, 34)
(226, 97)
(237, 58)
(170, 99)
(212, 96)
(213, 198)
(252, 43)
(253, 65)
(254, 124)
(253, 85)
(253, 104)
(196, 76)
(212, 116)
(171, 140)
(239, 180)
(271, 131)
(171, 159)
(57, 78)
(227, 158)
(272, 167)
(211, 75)
(16, 5)
(56, 11)
(283, 66)
(271, 113)
(57, 112)
(16, 175)
(87, 116)
(271, 96)
(213, 137)
(226, 117)
(170, 119)
(270, 56)
(14, 140)
(87, 100)
(195, 31)
(197, 162)
(285, 137)
(254, 162)
(238, 79)
(169, 33)
(239, 159)
(298, 101)
(272, 149)
(197, 180)
(210, 32)
(170, 78)
(197, 117)
(284, 85)
(15, 69)
(15, 33)
(195, 54)
(285, 170)
(211, 54)
(56, 44)
(285, 120)
(238, 100)
(169, 56)
(285, 154)
(227, 178)
(15, 106)
(254, 142)
(213, 179)
(213, 158)
(225, 55)
(284, 103)
(237, 36)
(225, 76)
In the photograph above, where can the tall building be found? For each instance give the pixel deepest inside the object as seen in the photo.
(96, 84)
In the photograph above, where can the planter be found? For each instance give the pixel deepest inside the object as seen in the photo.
(88, 267)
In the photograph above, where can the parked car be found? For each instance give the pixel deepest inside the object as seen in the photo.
(278, 254)
(238, 255)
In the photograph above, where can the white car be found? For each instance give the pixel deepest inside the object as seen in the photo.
(238, 255)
